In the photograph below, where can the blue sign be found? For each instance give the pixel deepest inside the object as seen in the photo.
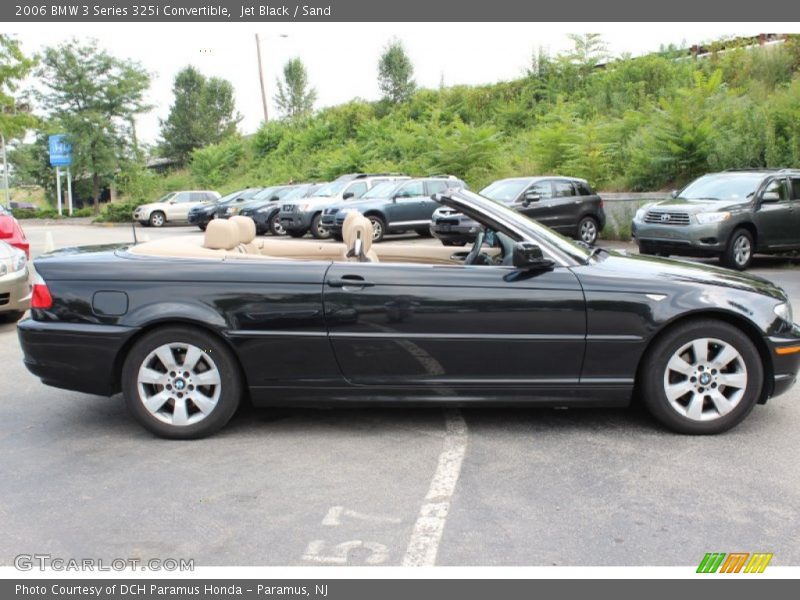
(60, 151)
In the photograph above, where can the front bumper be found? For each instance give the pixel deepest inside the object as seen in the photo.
(74, 356)
(15, 291)
(785, 353)
(296, 220)
(455, 233)
(694, 239)
(201, 218)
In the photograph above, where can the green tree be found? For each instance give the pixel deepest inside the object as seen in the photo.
(14, 66)
(203, 113)
(93, 97)
(295, 98)
(395, 73)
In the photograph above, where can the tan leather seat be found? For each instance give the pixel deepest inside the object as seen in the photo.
(221, 235)
(247, 233)
(357, 234)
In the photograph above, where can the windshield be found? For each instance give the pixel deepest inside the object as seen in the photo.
(239, 194)
(722, 187)
(265, 194)
(298, 193)
(505, 190)
(497, 209)
(330, 189)
(382, 190)
(167, 197)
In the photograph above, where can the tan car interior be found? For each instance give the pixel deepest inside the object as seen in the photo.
(235, 239)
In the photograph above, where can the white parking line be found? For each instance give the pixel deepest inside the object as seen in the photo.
(427, 533)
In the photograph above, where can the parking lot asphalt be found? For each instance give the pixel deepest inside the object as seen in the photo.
(389, 486)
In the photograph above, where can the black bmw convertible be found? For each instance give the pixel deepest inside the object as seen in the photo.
(187, 329)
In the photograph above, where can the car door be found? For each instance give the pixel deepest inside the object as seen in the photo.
(775, 217)
(407, 208)
(537, 202)
(355, 190)
(427, 326)
(178, 207)
(428, 204)
(794, 189)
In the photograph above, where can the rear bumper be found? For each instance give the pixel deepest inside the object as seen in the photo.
(79, 357)
(15, 291)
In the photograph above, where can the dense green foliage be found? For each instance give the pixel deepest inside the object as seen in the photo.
(641, 123)
(203, 112)
(14, 67)
(93, 97)
(295, 97)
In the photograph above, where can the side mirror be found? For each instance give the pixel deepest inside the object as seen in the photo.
(347, 195)
(770, 197)
(528, 256)
(673, 194)
(531, 197)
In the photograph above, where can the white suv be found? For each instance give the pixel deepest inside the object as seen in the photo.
(174, 206)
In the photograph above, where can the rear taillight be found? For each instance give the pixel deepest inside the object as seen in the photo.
(41, 297)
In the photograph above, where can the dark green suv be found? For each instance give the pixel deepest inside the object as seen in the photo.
(732, 215)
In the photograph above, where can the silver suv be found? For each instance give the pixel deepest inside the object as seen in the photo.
(300, 216)
(731, 215)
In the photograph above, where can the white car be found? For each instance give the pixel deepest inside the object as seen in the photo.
(15, 285)
(174, 206)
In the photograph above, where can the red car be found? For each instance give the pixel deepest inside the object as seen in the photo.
(11, 232)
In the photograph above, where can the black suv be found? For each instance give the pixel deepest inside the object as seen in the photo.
(731, 215)
(567, 204)
(393, 206)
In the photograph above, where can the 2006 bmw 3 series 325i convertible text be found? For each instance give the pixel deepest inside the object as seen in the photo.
(188, 328)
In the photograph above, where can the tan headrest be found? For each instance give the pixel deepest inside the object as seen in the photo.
(362, 227)
(246, 227)
(347, 235)
(221, 235)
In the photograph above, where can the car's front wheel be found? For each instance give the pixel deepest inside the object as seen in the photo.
(181, 383)
(702, 377)
(588, 230)
(317, 230)
(378, 227)
(739, 251)
(157, 219)
(275, 227)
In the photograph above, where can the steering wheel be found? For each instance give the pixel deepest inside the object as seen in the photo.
(475, 252)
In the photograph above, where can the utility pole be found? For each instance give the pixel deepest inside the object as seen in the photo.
(261, 78)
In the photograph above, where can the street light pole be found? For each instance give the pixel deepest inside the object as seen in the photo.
(261, 79)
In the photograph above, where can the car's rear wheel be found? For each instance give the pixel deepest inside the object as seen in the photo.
(588, 230)
(203, 227)
(157, 219)
(275, 227)
(702, 377)
(425, 232)
(739, 251)
(378, 227)
(317, 230)
(181, 383)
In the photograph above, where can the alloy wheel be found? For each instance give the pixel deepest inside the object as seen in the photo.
(377, 229)
(179, 384)
(705, 379)
(588, 231)
(276, 227)
(742, 250)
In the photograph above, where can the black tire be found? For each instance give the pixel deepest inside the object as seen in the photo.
(157, 219)
(230, 378)
(588, 230)
(296, 233)
(739, 251)
(144, 223)
(426, 233)
(275, 227)
(654, 371)
(378, 228)
(203, 227)
(317, 230)
(337, 236)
